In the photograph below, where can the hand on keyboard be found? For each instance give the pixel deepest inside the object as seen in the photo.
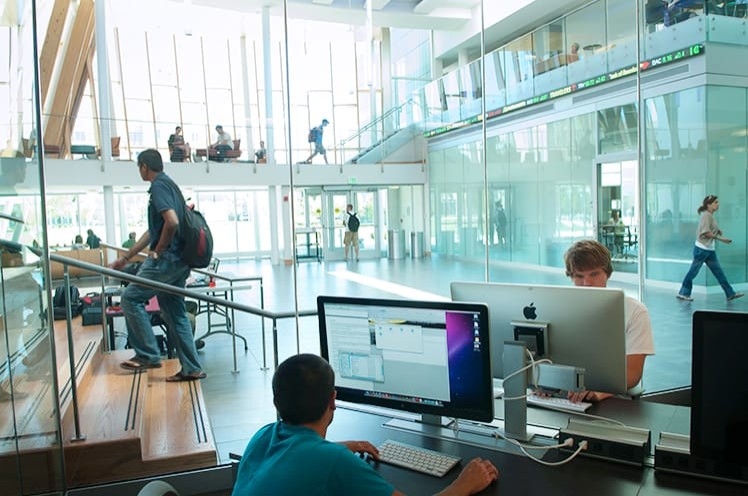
(556, 403)
(589, 396)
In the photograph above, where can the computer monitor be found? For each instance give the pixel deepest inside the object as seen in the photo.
(585, 326)
(427, 357)
(719, 392)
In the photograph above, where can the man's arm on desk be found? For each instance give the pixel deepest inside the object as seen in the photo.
(474, 478)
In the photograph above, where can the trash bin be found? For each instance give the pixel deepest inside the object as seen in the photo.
(416, 244)
(396, 244)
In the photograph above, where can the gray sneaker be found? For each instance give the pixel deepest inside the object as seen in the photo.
(684, 297)
(735, 296)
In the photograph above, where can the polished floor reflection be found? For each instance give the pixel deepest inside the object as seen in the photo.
(240, 402)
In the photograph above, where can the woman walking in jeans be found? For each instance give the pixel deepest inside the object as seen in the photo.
(703, 251)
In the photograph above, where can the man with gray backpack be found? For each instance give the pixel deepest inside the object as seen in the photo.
(351, 223)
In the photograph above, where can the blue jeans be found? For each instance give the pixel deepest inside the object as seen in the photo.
(169, 270)
(708, 257)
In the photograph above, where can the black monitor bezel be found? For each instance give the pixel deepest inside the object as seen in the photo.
(481, 413)
(699, 361)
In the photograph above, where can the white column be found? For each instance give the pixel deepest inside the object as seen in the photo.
(267, 64)
(105, 114)
(462, 58)
(387, 89)
(249, 146)
(110, 236)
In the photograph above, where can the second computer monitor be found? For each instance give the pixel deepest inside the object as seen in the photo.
(427, 357)
(586, 326)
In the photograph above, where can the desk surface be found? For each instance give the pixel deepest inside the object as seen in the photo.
(520, 475)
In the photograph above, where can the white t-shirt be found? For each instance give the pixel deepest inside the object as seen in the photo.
(639, 339)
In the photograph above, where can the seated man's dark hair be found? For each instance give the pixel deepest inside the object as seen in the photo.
(302, 388)
(587, 254)
(151, 158)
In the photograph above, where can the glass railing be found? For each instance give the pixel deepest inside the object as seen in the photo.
(516, 77)
(382, 136)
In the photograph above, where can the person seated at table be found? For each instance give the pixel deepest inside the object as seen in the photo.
(573, 55)
(292, 456)
(92, 240)
(178, 149)
(616, 226)
(223, 144)
(261, 153)
(588, 263)
(78, 243)
(130, 241)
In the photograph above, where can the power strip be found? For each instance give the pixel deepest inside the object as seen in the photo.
(630, 445)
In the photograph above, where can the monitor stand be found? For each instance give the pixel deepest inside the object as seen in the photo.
(418, 425)
(515, 410)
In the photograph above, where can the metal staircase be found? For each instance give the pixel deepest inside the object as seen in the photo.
(383, 136)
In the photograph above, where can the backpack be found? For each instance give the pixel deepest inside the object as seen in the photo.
(59, 302)
(313, 133)
(195, 234)
(353, 223)
(198, 240)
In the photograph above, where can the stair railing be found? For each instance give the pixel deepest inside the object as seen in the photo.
(119, 275)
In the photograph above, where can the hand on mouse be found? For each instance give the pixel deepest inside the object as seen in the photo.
(362, 447)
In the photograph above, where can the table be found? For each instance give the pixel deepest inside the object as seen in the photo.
(519, 475)
(111, 312)
(226, 284)
(226, 326)
(310, 245)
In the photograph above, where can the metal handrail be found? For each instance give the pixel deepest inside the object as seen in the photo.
(375, 123)
(116, 274)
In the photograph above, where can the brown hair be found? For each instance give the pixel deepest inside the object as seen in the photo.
(587, 254)
(708, 200)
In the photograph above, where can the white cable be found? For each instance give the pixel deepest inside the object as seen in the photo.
(595, 417)
(529, 366)
(511, 398)
(523, 448)
(566, 444)
(582, 446)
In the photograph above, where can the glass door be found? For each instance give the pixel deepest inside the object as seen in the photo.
(333, 210)
(618, 211)
(365, 206)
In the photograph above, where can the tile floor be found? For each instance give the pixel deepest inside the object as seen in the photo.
(240, 402)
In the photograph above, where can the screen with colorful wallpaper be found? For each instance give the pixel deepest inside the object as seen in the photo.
(427, 357)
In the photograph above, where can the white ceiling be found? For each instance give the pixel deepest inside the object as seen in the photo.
(455, 21)
(417, 14)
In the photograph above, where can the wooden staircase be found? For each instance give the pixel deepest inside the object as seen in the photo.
(131, 424)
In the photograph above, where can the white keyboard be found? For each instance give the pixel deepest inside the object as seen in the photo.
(554, 403)
(414, 458)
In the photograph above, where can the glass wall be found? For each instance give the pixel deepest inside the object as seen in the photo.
(30, 422)
(520, 196)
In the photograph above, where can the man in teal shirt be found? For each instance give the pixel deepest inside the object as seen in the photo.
(292, 457)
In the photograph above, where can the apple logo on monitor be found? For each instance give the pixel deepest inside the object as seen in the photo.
(530, 312)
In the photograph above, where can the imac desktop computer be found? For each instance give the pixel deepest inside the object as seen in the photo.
(426, 357)
(579, 327)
